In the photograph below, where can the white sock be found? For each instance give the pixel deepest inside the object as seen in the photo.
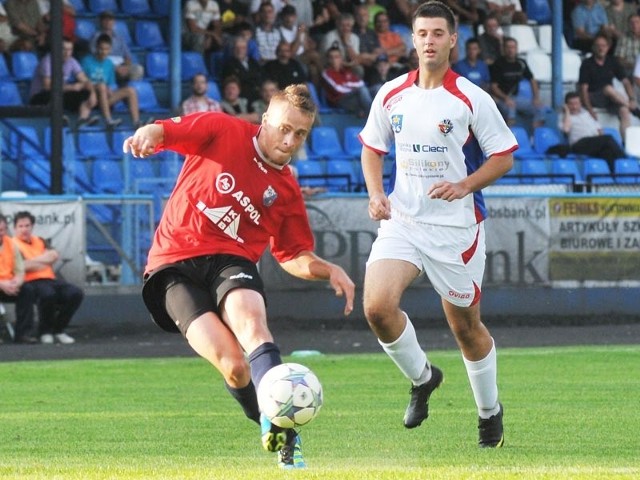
(483, 379)
(406, 353)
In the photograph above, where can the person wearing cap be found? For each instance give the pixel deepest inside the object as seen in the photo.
(126, 69)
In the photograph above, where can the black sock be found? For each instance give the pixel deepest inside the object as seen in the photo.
(263, 359)
(246, 397)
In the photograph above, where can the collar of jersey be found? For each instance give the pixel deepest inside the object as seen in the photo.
(263, 157)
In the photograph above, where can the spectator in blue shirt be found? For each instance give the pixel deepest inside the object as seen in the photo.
(102, 73)
(589, 18)
(472, 67)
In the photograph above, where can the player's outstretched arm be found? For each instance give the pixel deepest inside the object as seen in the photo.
(308, 266)
(144, 141)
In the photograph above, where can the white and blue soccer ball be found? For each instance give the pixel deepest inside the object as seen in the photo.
(290, 395)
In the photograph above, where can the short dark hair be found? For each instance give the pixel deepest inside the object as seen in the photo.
(104, 38)
(570, 95)
(435, 9)
(23, 214)
(471, 40)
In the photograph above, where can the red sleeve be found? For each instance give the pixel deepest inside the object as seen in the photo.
(295, 234)
(189, 134)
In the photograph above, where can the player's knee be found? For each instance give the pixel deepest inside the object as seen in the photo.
(235, 371)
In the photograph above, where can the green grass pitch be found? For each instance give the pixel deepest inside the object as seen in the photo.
(570, 413)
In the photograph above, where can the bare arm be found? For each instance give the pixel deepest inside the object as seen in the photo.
(144, 141)
(495, 167)
(308, 266)
(379, 204)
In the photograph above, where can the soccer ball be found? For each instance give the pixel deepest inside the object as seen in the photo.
(290, 395)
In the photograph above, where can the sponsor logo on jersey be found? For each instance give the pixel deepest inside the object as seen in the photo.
(241, 275)
(445, 126)
(419, 148)
(225, 183)
(176, 119)
(423, 165)
(396, 123)
(269, 196)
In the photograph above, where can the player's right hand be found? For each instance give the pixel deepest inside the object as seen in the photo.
(379, 207)
(144, 141)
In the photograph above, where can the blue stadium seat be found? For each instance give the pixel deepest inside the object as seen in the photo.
(216, 62)
(136, 8)
(388, 174)
(525, 148)
(615, 133)
(147, 99)
(149, 36)
(23, 65)
(322, 106)
(596, 171)
(139, 170)
(117, 140)
(36, 174)
(85, 28)
(566, 166)
(325, 143)
(107, 176)
(99, 6)
(122, 30)
(213, 90)
(157, 65)
(627, 170)
(539, 10)
(352, 145)
(192, 63)
(79, 6)
(93, 143)
(161, 7)
(25, 142)
(405, 32)
(341, 176)
(311, 174)
(170, 167)
(465, 32)
(545, 138)
(534, 167)
(9, 94)
(511, 177)
(76, 178)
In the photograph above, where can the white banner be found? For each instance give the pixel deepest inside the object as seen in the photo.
(62, 225)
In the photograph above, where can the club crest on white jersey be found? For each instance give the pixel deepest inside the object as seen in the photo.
(396, 123)
(445, 126)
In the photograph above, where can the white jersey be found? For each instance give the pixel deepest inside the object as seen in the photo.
(440, 134)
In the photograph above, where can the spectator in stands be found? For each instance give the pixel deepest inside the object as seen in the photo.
(373, 8)
(78, 93)
(304, 11)
(126, 68)
(628, 47)
(585, 133)
(102, 73)
(234, 104)
(27, 24)
(6, 33)
(380, 74)
(588, 19)
(467, 11)
(391, 42)
(596, 84)
(507, 73)
(370, 49)
(68, 17)
(255, 5)
(343, 88)
(57, 299)
(244, 30)
(12, 288)
(618, 12)
(472, 66)
(322, 21)
(203, 28)
(247, 70)
(266, 34)
(199, 101)
(344, 39)
(284, 70)
(232, 14)
(491, 40)
(267, 89)
(507, 11)
(291, 30)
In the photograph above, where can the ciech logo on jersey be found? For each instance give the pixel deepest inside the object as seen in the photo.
(421, 148)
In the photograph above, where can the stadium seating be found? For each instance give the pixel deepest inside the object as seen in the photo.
(522, 137)
(161, 7)
(311, 174)
(539, 11)
(465, 32)
(139, 170)
(192, 63)
(216, 60)
(36, 174)
(213, 90)
(79, 6)
(117, 140)
(536, 168)
(147, 100)
(566, 166)
(322, 107)
(136, 8)
(23, 65)
(545, 138)
(511, 177)
(525, 36)
(107, 176)
(5, 73)
(325, 143)
(157, 65)
(405, 32)
(93, 143)
(122, 30)
(99, 6)
(596, 171)
(540, 63)
(341, 176)
(9, 94)
(352, 145)
(615, 133)
(85, 28)
(149, 36)
(627, 170)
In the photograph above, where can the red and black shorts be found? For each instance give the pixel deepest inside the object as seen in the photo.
(178, 293)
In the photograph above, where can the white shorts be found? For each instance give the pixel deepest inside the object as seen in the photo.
(453, 258)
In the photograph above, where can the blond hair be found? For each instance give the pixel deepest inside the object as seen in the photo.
(298, 96)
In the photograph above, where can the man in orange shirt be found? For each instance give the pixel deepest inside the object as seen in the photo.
(57, 299)
(12, 288)
(391, 42)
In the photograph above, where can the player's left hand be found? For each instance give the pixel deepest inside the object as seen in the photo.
(447, 191)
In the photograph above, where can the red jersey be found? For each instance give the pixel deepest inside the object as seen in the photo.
(227, 199)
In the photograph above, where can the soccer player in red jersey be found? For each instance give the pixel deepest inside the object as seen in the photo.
(235, 196)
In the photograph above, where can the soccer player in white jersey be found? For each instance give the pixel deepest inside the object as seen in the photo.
(450, 141)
